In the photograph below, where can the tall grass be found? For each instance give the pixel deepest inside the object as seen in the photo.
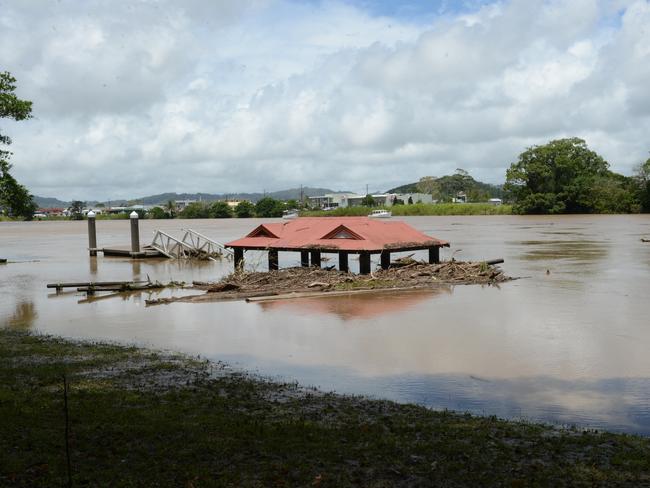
(420, 209)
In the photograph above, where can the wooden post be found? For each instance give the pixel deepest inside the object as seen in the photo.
(343, 261)
(304, 259)
(239, 257)
(135, 232)
(315, 258)
(364, 262)
(273, 259)
(434, 255)
(92, 234)
(385, 259)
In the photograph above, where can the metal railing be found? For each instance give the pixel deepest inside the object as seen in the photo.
(204, 244)
(192, 245)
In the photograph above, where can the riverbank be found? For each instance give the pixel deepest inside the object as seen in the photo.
(419, 209)
(142, 418)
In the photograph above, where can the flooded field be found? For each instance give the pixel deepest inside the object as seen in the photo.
(567, 343)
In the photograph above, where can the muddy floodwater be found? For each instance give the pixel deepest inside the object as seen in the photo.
(568, 343)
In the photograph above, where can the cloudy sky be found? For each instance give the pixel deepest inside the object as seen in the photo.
(133, 97)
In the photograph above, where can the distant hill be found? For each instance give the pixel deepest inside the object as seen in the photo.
(48, 202)
(162, 198)
(446, 187)
(408, 188)
(292, 193)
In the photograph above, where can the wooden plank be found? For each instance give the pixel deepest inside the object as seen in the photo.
(127, 287)
(313, 294)
(93, 283)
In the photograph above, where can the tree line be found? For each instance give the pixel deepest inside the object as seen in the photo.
(266, 207)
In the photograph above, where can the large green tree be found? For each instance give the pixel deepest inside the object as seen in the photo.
(642, 178)
(220, 210)
(196, 210)
(269, 207)
(558, 177)
(244, 209)
(15, 200)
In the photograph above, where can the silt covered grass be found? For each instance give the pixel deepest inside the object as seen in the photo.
(142, 418)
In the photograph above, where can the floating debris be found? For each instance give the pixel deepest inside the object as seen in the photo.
(406, 274)
(93, 287)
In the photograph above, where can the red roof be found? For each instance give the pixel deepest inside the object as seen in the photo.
(337, 234)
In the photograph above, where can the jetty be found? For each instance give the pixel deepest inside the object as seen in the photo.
(312, 236)
(192, 245)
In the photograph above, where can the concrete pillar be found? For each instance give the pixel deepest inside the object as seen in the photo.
(304, 259)
(92, 234)
(273, 259)
(434, 255)
(315, 258)
(343, 261)
(239, 257)
(364, 263)
(135, 232)
(385, 259)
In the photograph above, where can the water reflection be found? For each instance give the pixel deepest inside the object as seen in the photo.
(616, 404)
(362, 306)
(92, 265)
(23, 317)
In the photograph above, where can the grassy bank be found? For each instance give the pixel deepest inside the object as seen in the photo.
(421, 209)
(139, 418)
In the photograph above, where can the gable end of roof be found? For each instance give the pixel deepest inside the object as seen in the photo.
(343, 232)
(262, 231)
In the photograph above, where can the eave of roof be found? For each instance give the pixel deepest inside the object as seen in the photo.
(307, 233)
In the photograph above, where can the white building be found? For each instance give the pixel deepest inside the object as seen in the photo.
(334, 200)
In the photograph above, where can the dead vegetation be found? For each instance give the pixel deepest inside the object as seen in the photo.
(404, 274)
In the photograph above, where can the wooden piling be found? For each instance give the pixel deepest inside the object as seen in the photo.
(315, 258)
(273, 259)
(434, 255)
(364, 262)
(239, 257)
(343, 261)
(385, 259)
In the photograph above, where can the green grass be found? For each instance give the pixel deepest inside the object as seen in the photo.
(140, 418)
(420, 209)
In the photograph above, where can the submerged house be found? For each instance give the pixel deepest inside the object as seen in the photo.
(312, 236)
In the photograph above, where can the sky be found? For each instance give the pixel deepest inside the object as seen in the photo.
(133, 98)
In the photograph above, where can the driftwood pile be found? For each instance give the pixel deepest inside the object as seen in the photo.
(405, 274)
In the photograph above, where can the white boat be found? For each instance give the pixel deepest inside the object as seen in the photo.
(380, 214)
(290, 214)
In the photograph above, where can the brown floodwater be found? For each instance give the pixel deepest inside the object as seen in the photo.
(566, 344)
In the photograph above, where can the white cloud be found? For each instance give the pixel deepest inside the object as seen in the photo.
(238, 96)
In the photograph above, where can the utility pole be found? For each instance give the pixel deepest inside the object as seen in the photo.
(367, 189)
